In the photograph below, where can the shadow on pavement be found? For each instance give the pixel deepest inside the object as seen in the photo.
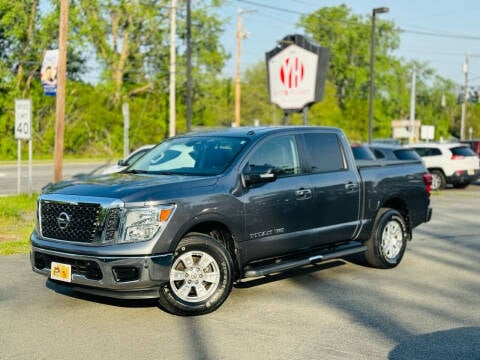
(461, 343)
(244, 284)
(126, 303)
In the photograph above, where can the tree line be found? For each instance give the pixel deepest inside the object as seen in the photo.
(118, 51)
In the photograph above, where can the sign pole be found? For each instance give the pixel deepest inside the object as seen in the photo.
(305, 116)
(19, 164)
(30, 167)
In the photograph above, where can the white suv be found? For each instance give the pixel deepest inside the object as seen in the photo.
(449, 163)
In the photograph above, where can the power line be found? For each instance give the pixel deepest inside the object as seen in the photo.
(404, 30)
(442, 35)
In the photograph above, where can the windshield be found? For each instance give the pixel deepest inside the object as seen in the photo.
(199, 155)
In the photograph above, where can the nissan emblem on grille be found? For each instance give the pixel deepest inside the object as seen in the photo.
(63, 220)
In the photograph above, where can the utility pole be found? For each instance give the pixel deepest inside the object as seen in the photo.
(189, 67)
(173, 30)
(61, 84)
(465, 97)
(240, 36)
(412, 105)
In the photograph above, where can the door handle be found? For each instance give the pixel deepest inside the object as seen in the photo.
(351, 187)
(303, 194)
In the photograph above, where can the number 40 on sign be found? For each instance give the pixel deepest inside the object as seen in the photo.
(23, 119)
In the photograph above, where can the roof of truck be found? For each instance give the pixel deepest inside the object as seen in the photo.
(257, 130)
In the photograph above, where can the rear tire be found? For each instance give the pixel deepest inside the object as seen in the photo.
(460, 185)
(201, 277)
(438, 180)
(388, 241)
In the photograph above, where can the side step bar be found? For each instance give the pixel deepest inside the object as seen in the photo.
(291, 264)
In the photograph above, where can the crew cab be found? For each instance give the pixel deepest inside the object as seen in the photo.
(202, 211)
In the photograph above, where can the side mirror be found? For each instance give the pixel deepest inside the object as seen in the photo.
(258, 175)
(122, 163)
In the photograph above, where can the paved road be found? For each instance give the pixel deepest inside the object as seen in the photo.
(427, 308)
(42, 174)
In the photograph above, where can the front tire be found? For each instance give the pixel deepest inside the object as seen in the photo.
(388, 241)
(201, 277)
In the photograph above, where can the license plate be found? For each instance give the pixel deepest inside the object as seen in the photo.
(471, 172)
(62, 272)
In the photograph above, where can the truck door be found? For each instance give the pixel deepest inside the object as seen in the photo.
(275, 212)
(335, 189)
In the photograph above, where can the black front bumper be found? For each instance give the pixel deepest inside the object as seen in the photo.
(122, 277)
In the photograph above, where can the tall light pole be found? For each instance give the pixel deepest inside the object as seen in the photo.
(375, 11)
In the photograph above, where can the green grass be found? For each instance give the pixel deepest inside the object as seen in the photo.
(17, 220)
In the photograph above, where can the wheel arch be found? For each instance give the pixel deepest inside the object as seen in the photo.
(401, 206)
(218, 230)
(436, 168)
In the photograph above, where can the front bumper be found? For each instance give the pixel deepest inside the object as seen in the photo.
(123, 277)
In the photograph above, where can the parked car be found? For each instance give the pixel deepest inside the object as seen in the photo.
(387, 141)
(393, 152)
(474, 144)
(362, 152)
(449, 163)
(202, 211)
(122, 164)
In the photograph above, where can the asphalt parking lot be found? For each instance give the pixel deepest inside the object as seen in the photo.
(427, 308)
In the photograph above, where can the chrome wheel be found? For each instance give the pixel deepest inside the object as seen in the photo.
(392, 240)
(436, 181)
(194, 276)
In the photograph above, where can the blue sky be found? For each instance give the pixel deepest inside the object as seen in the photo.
(452, 21)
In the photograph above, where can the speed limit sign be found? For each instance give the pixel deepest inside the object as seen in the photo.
(23, 119)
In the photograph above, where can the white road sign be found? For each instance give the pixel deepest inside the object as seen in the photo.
(23, 119)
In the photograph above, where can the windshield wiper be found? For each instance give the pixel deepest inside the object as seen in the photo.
(134, 171)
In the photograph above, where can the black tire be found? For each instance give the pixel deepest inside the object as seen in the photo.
(461, 185)
(388, 241)
(438, 180)
(201, 277)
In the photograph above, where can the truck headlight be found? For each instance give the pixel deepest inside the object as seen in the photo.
(142, 224)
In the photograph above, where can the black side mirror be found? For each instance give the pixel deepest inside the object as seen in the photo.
(122, 163)
(258, 175)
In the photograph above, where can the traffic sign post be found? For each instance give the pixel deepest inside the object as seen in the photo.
(23, 126)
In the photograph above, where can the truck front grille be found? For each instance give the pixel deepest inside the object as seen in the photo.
(78, 222)
(69, 222)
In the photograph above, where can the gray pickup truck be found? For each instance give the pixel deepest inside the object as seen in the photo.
(200, 212)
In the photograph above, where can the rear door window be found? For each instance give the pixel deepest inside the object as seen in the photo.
(428, 151)
(324, 152)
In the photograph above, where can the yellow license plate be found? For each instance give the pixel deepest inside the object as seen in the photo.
(62, 272)
(471, 172)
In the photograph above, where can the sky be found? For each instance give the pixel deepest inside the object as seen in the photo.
(439, 32)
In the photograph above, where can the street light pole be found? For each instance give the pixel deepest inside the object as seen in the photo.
(375, 11)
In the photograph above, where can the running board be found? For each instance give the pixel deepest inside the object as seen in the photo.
(291, 264)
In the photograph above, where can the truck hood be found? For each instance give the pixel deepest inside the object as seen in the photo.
(132, 187)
